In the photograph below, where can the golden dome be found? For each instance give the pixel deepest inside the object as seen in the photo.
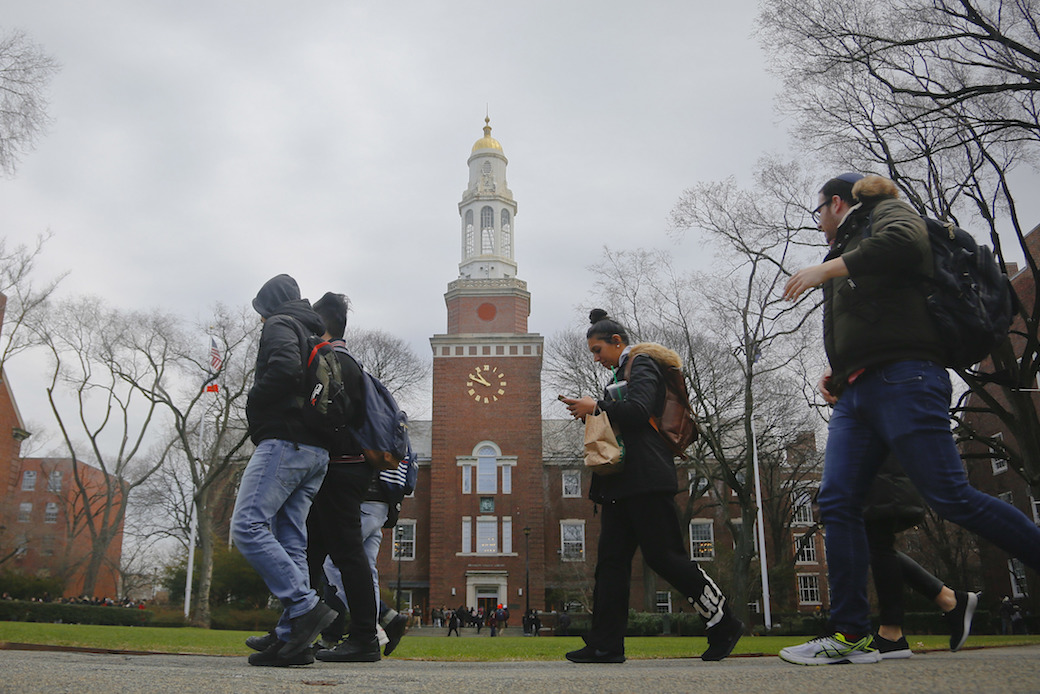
(486, 142)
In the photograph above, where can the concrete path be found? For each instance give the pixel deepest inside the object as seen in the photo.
(989, 670)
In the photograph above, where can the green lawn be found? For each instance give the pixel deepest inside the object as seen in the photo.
(212, 642)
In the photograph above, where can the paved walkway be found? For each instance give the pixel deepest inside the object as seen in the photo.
(989, 670)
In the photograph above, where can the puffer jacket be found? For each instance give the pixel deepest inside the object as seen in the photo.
(649, 466)
(274, 401)
(878, 314)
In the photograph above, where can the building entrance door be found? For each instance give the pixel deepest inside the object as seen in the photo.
(487, 598)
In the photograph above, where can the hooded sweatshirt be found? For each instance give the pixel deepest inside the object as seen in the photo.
(274, 401)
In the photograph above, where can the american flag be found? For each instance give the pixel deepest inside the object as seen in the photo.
(215, 359)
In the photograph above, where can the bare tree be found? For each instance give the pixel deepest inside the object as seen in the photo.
(25, 71)
(388, 358)
(94, 350)
(939, 95)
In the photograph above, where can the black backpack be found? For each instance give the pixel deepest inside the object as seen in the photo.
(324, 399)
(969, 297)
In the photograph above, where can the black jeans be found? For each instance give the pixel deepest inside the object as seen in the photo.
(892, 570)
(334, 530)
(649, 522)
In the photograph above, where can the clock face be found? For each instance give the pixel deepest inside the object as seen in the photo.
(486, 384)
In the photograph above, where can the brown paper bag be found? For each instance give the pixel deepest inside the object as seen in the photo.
(603, 454)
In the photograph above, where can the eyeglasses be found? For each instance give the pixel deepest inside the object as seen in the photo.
(816, 212)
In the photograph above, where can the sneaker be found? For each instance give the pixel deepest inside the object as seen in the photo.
(350, 652)
(272, 657)
(960, 618)
(261, 643)
(594, 655)
(831, 650)
(394, 632)
(723, 637)
(306, 627)
(891, 650)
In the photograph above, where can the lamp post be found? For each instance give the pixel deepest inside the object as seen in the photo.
(397, 550)
(527, 568)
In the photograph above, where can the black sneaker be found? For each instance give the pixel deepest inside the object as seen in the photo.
(723, 637)
(594, 655)
(891, 650)
(351, 652)
(960, 618)
(272, 657)
(395, 631)
(306, 627)
(261, 643)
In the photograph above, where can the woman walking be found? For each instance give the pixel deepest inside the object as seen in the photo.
(639, 509)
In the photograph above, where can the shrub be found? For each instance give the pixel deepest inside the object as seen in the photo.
(22, 611)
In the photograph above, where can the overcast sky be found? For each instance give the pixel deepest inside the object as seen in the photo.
(199, 148)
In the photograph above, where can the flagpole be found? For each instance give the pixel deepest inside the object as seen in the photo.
(193, 524)
(761, 530)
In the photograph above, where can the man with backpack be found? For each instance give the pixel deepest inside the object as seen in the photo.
(888, 383)
(283, 475)
(334, 523)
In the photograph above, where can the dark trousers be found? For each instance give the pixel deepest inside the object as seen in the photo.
(334, 530)
(649, 522)
(892, 570)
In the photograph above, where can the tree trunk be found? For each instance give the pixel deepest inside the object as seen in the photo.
(201, 615)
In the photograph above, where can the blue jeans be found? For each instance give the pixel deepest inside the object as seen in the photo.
(902, 407)
(269, 524)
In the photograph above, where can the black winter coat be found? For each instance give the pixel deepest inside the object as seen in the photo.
(649, 466)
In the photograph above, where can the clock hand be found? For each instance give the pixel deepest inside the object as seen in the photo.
(480, 379)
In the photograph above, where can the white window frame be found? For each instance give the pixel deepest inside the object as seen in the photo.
(808, 588)
(50, 512)
(663, 601)
(507, 479)
(467, 479)
(574, 477)
(404, 546)
(806, 554)
(29, 480)
(801, 512)
(693, 482)
(487, 470)
(576, 543)
(1017, 575)
(487, 535)
(507, 534)
(54, 481)
(999, 464)
(467, 535)
(25, 512)
(698, 550)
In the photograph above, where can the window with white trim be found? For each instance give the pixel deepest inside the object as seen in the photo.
(50, 512)
(699, 486)
(507, 535)
(808, 589)
(802, 508)
(571, 484)
(1007, 497)
(997, 459)
(47, 546)
(1034, 504)
(702, 539)
(467, 535)
(467, 479)
(663, 600)
(805, 549)
(29, 480)
(404, 540)
(572, 540)
(54, 481)
(487, 536)
(487, 471)
(24, 512)
(507, 479)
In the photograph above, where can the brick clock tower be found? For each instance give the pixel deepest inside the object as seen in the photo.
(486, 497)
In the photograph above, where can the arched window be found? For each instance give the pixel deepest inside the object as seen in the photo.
(487, 230)
(487, 470)
(505, 218)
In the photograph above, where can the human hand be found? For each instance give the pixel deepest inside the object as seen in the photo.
(579, 407)
(823, 386)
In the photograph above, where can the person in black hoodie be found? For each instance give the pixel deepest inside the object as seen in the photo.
(639, 509)
(282, 477)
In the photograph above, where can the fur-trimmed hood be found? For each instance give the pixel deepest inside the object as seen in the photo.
(871, 188)
(659, 353)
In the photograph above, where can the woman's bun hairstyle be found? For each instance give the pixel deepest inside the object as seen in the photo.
(604, 327)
